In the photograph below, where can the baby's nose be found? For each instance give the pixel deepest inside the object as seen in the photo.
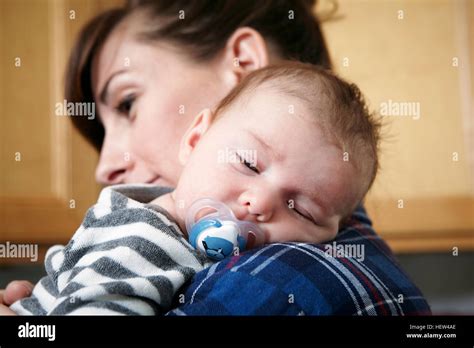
(258, 206)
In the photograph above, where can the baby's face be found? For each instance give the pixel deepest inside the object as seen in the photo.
(270, 166)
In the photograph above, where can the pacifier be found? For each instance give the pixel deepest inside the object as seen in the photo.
(217, 232)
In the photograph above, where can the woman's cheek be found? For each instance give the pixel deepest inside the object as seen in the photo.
(150, 140)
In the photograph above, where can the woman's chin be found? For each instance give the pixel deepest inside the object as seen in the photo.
(159, 181)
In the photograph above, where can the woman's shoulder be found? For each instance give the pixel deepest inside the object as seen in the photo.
(356, 274)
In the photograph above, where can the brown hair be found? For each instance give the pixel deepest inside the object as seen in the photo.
(78, 87)
(336, 105)
(288, 25)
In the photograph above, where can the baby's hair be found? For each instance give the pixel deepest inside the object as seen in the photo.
(337, 106)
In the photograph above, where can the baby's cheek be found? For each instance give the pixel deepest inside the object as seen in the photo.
(195, 183)
(329, 231)
(296, 231)
(211, 178)
(287, 231)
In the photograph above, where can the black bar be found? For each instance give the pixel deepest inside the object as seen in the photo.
(233, 330)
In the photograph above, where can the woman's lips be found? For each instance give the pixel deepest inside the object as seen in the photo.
(155, 180)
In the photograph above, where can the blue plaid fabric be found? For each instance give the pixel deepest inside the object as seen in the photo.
(302, 279)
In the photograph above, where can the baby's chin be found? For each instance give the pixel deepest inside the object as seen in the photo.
(329, 230)
(330, 233)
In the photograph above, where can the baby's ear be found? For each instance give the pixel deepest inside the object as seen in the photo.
(193, 135)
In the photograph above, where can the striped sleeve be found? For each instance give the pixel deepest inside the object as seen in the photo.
(127, 258)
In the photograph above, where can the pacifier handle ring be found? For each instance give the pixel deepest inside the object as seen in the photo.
(203, 203)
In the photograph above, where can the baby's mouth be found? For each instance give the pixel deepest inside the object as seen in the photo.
(252, 237)
(217, 221)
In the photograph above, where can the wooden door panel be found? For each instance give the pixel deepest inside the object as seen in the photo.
(47, 180)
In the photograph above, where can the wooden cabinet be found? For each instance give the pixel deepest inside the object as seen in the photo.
(414, 62)
(47, 180)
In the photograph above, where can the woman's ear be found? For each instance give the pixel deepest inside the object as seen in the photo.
(245, 51)
(193, 135)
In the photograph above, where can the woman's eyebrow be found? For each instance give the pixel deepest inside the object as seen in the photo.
(104, 94)
(273, 153)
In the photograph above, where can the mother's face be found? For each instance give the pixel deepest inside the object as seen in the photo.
(147, 95)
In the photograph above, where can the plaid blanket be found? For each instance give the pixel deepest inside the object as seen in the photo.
(304, 279)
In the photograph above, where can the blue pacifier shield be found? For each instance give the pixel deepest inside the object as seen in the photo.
(217, 232)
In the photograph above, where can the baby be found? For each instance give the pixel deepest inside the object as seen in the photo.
(300, 153)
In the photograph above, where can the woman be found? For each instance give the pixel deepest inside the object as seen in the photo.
(152, 66)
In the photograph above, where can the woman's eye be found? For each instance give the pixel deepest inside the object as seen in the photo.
(125, 105)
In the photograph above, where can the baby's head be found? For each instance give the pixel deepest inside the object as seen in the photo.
(291, 148)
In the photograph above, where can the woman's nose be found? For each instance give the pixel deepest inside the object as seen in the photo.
(259, 204)
(114, 164)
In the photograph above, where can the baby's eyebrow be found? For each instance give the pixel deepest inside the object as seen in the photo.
(268, 148)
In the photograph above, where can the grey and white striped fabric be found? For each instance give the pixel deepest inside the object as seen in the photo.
(127, 258)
